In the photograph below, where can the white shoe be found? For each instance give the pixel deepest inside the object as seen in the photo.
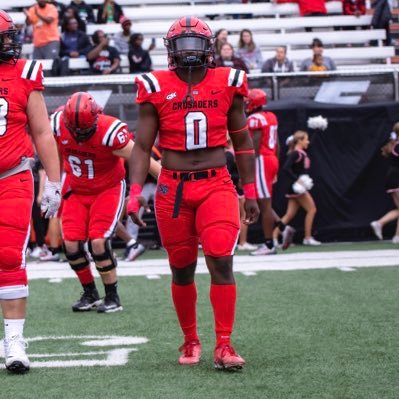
(264, 250)
(276, 243)
(37, 252)
(134, 251)
(395, 240)
(377, 229)
(246, 247)
(15, 355)
(49, 256)
(288, 235)
(311, 241)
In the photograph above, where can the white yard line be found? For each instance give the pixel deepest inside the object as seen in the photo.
(283, 262)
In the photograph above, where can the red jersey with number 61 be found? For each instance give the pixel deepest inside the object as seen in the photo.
(16, 84)
(267, 122)
(91, 166)
(202, 123)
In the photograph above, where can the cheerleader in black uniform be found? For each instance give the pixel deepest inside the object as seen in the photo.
(391, 151)
(296, 169)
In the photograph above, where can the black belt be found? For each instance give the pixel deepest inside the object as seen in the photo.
(187, 176)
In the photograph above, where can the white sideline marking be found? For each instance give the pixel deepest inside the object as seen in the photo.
(347, 269)
(281, 262)
(249, 273)
(55, 280)
(153, 276)
(112, 357)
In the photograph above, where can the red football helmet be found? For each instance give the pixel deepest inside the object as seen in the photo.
(10, 49)
(189, 42)
(81, 115)
(256, 99)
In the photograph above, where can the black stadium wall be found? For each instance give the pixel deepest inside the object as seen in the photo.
(347, 167)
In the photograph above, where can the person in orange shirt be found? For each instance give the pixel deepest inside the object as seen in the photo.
(46, 37)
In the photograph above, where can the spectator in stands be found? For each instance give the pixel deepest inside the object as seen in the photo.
(46, 37)
(109, 12)
(309, 8)
(354, 7)
(122, 38)
(103, 58)
(279, 63)
(84, 10)
(248, 51)
(60, 8)
(391, 151)
(70, 12)
(317, 48)
(228, 59)
(74, 44)
(317, 64)
(139, 59)
(221, 37)
(381, 18)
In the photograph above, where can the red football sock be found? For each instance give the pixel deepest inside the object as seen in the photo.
(223, 300)
(85, 275)
(185, 301)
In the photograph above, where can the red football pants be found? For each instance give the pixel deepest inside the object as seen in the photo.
(92, 216)
(16, 198)
(209, 212)
(266, 174)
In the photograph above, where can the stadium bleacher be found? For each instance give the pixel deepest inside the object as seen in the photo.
(274, 25)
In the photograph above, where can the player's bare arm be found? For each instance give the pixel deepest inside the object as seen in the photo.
(140, 158)
(256, 138)
(125, 152)
(245, 157)
(42, 136)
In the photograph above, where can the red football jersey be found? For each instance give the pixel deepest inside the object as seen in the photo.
(267, 122)
(185, 126)
(91, 166)
(16, 83)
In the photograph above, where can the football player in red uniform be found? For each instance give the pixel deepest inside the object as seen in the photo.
(21, 105)
(192, 106)
(263, 128)
(93, 147)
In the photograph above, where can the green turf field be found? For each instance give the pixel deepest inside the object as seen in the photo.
(305, 334)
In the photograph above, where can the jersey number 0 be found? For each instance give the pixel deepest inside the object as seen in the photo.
(196, 130)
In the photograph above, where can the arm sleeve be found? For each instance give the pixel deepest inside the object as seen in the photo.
(121, 138)
(238, 82)
(148, 89)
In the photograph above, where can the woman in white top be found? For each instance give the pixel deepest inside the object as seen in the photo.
(248, 51)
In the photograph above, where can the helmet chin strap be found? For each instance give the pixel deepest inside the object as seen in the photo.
(189, 96)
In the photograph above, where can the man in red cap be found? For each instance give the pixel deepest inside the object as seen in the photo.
(121, 39)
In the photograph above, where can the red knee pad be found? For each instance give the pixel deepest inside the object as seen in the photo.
(220, 240)
(182, 255)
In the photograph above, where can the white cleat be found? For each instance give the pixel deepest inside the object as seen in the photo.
(311, 242)
(395, 240)
(377, 229)
(134, 251)
(246, 247)
(264, 250)
(14, 352)
(288, 236)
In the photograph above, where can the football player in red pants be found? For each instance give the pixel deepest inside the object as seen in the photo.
(191, 107)
(93, 147)
(21, 104)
